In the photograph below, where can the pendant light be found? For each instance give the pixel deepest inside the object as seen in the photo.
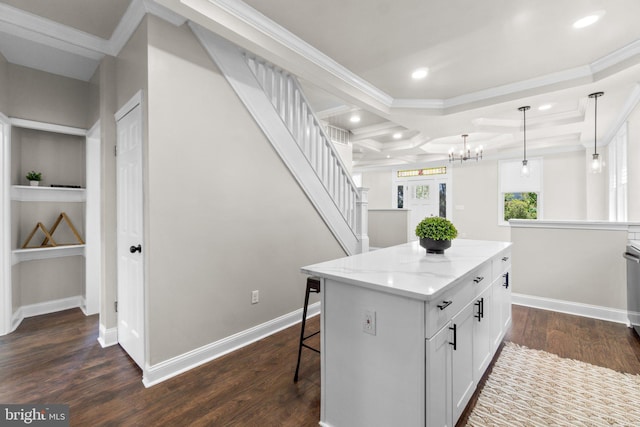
(525, 166)
(596, 163)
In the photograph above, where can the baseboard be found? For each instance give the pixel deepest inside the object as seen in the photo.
(170, 368)
(569, 307)
(107, 337)
(44, 308)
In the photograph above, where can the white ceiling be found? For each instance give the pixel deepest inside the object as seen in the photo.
(485, 60)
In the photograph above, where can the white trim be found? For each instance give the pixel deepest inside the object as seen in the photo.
(577, 225)
(44, 308)
(48, 127)
(20, 255)
(26, 193)
(6, 305)
(107, 337)
(629, 106)
(41, 30)
(278, 34)
(570, 307)
(236, 10)
(162, 371)
(93, 220)
(129, 105)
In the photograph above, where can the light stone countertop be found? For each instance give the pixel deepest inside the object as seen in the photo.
(407, 269)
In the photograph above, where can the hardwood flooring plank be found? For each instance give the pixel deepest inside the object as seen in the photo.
(56, 359)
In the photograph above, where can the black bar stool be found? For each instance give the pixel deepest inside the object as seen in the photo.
(313, 285)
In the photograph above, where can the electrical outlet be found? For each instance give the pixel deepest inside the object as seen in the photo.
(369, 322)
(255, 297)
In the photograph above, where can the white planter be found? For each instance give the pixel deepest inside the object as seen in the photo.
(34, 183)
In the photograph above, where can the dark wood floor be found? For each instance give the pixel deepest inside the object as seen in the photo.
(56, 359)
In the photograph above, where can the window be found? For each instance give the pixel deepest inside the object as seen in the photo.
(618, 176)
(520, 197)
(520, 206)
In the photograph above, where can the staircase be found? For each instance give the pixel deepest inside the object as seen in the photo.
(277, 104)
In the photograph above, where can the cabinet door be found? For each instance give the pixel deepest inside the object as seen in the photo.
(505, 304)
(438, 404)
(462, 385)
(483, 332)
(501, 307)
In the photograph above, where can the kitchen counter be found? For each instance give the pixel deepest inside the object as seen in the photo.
(407, 270)
(406, 336)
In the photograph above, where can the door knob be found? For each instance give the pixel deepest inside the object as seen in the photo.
(134, 249)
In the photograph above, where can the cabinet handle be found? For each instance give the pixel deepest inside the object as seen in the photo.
(478, 279)
(455, 338)
(506, 280)
(444, 305)
(480, 305)
(505, 258)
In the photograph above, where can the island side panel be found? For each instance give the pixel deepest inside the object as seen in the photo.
(371, 380)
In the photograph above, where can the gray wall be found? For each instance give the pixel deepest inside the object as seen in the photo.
(45, 97)
(583, 266)
(224, 214)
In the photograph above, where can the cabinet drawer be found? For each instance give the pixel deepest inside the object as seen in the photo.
(481, 279)
(501, 263)
(442, 309)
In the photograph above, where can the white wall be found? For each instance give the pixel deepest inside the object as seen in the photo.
(475, 201)
(225, 216)
(388, 227)
(380, 185)
(564, 187)
(633, 156)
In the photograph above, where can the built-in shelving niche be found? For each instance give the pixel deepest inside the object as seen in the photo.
(43, 278)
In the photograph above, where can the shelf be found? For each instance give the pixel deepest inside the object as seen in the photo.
(27, 193)
(20, 255)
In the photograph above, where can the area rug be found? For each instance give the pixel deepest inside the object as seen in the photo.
(535, 388)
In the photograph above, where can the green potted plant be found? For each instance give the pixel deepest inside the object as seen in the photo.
(435, 234)
(34, 178)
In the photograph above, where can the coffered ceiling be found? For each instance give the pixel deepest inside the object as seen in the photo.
(355, 57)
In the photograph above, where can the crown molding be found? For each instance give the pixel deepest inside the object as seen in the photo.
(630, 104)
(44, 31)
(50, 33)
(272, 30)
(616, 57)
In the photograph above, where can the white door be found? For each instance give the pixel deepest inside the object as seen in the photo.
(421, 197)
(129, 235)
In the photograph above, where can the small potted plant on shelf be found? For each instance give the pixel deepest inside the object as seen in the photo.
(34, 178)
(435, 234)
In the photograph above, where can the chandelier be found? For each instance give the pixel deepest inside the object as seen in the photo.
(465, 153)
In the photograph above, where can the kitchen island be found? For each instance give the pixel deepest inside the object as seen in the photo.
(405, 335)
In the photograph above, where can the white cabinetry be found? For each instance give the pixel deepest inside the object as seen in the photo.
(452, 306)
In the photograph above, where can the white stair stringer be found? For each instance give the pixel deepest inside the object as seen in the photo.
(275, 101)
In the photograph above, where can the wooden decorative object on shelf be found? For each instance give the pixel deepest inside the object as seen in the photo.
(48, 239)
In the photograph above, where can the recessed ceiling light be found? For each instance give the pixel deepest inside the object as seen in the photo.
(355, 118)
(397, 135)
(589, 19)
(420, 73)
(545, 107)
(388, 156)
